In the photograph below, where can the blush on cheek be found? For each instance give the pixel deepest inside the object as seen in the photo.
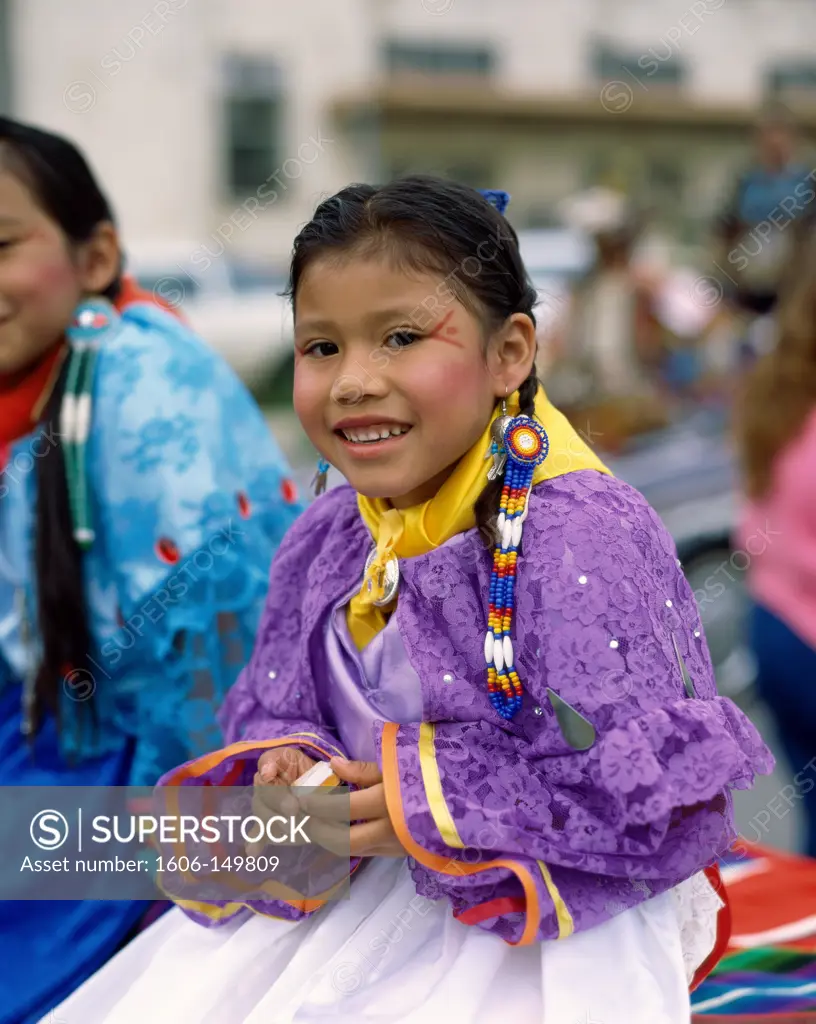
(58, 274)
(440, 386)
(308, 400)
(47, 253)
(49, 282)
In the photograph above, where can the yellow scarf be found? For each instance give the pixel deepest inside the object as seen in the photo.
(421, 528)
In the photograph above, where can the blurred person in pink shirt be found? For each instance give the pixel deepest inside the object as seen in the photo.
(777, 435)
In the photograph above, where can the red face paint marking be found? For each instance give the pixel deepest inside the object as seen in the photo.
(444, 333)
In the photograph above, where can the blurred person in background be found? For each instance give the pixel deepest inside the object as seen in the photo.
(608, 358)
(141, 501)
(777, 432)
(767, 217)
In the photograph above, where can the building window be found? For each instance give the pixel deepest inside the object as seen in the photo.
(793, 77)
(5, 57)
(253, 121)
(658, 65)
(665, 183)
(436, 59)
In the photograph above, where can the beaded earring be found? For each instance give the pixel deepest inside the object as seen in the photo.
(319, 480)
(91, 322)
(497, 450)
(525, 445)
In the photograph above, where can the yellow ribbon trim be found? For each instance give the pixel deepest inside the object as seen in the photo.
(209, 910)
(407, 533)
(566, 925)
(442, 816)
(443, 819)
(314, 736)
(215, 913)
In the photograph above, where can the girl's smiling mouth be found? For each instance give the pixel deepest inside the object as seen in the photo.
(370, 432)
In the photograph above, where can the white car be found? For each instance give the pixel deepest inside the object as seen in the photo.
(236, 307)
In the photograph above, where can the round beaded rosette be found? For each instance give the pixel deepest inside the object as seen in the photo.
(526, 441)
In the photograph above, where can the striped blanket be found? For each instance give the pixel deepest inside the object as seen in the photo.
(768, 974)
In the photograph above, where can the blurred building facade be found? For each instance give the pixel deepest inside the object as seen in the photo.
(223, 122)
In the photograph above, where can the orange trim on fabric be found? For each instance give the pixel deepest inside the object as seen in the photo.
(223, 914)
(448, 865)
(202, 765)
(206, 763)
(301, 904)
(723, 929)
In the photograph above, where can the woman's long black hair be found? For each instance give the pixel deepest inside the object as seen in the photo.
(430, 224)
(59, 178)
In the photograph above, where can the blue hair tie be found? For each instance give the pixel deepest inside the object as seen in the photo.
(496, 198)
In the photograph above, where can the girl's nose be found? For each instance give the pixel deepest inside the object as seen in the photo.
(356, 381)
(347, 390)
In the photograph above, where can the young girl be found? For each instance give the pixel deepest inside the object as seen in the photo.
(777, 427)
(135, 539)
(542, 765)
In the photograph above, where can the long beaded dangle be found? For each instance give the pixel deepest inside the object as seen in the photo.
(92, 320)
(526, 445)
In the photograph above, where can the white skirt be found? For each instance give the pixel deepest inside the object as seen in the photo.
(388, 956)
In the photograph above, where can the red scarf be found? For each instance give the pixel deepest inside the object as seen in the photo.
(130, 292)
(23, 395)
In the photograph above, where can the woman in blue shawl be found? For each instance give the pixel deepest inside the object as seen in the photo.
(141, 501)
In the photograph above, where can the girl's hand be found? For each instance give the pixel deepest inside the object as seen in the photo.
(282, 766)
(375, 836)
(277, 768)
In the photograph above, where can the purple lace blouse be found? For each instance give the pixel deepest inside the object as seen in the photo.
(605, 620)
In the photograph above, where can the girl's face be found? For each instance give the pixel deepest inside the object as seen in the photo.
(42, 278)
(392, 382)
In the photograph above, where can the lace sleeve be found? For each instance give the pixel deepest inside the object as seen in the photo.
(607, 623)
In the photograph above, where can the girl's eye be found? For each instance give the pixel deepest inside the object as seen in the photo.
(401, 339)
(321, 349)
